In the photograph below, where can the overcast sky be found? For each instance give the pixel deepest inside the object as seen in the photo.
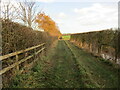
(75, 16)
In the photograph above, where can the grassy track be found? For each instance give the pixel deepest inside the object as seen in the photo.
(102, 75)
(67, 66)
(64, 72)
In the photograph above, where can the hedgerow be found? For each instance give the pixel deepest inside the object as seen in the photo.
(16, 37)
(99, 42)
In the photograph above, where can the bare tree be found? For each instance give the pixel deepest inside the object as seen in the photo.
(24, 11)
(27, 12)
(23, 15)
(9, 11)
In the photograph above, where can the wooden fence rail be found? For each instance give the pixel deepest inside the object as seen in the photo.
(16, 64)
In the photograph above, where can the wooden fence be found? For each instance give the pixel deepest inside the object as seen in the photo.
(16, 55)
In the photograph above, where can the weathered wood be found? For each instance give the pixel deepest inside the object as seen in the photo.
(29, 66)
(19, 62)
(17, 67)
(40, 50)
(18, 52)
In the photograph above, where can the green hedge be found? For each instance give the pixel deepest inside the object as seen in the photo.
(98, 40)
(17, 37)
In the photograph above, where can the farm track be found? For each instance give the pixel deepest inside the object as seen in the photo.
(98, 73)
(67, 66)
(64, 71)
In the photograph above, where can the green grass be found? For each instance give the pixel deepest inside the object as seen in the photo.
(100, 72)
(67, 67)
(66, 37)
(57, 70)
(65, 72)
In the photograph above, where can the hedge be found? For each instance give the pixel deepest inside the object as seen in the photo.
(17, 37)
(99, 42)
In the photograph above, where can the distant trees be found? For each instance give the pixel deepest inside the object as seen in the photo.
(46, 23)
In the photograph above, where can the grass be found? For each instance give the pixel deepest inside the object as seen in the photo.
(66, 67)
(66, 37)
(56, 70)
(65, 71)
(35, 77)
(102, 73)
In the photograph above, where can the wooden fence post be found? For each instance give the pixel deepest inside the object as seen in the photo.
(43, 51)
(17, 67)
(35, 53)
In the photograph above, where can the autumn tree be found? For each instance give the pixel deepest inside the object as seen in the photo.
(47, 24)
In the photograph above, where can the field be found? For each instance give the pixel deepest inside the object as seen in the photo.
(66, 37)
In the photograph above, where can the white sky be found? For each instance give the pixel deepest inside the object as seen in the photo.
(75, 16)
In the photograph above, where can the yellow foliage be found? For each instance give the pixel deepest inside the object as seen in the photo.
(46, 23)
